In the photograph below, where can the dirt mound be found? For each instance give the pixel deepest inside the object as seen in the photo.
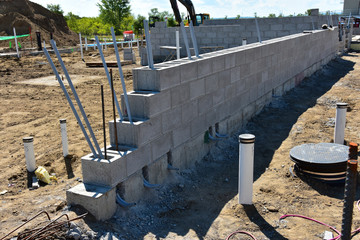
(25, 15)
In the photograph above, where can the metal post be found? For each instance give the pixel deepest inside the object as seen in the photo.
(64, 138)
(29, 153)
(103, 116)
(257, 29)
(76, 97)
(350, 192)
(243, 41)
(105, 44)
(121, 76)
(340, 121)
(148, 46)
(177, 45)
(193, 38)
(86, 45)
(16, 44)
(38, 38)
(70, 102)
(81, 50)
(113, 104)
(183, 32)
(108, 76)
(246, 168)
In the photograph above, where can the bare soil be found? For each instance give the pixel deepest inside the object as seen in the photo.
(197, 203)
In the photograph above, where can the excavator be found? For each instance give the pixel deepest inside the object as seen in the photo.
(197, 19)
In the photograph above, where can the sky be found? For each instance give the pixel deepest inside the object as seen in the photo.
(216, 8)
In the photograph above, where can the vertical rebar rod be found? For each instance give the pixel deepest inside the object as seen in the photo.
(258, 29)
(70, 102)
(193, 38)
(183, 32)
(103, 118)
(350, 192)
(52, 42)
(121, 76)
(148, 45)
(108, 76)
(81, 47)
(113, 105)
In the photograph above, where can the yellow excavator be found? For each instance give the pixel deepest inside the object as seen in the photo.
(197, 19)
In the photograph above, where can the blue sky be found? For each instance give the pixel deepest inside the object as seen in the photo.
(216, 8)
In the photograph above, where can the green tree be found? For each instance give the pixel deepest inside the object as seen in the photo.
(171, 22)
(72, 21)
(114, 12)
(55, 8)
(308, 12)
(139, 24)
(272, 15)
(238, 16)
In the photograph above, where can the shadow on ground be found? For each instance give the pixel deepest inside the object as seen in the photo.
(196, 198)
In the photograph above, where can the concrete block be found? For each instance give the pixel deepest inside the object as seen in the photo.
(249, 111)
(106, 172)
(219, 63)
(197, 88)
(161, 145)
(132, 190)
(230, 60)
(139, 158)
(218, 96)
(189, 71)
(146, 104)
(205, 103)
(181, 135)
(189, 111)
(157, 171)
(224, 78)
(171, 119)
(223, 111)
(211, 83)
(235, 122)
(180, 94)
(137, 134)
(99, 201)
(235, 74)
(198, 125)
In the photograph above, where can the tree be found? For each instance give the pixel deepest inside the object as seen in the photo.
(114, 12)
(55, 8)
(139, 24)
(238, 16)
(272, 15)
(171, 22)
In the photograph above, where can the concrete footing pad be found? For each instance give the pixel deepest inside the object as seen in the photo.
(99, 201)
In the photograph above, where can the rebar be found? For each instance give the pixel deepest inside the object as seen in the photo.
(350, 192)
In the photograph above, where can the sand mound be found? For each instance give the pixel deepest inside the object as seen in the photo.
(23, 15)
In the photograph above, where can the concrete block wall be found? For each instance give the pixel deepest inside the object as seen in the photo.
(229, 33)
(178, 102)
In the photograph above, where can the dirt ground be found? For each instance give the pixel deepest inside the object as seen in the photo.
(197, 203)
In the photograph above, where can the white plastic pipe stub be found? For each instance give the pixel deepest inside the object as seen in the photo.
(246, 168)
(340, 122)
(64, 139)
(29, 153)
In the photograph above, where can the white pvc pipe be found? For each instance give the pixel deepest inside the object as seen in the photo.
(246, 168)
(64, 138)
(86, 45)
(105, 44)
(16, 44)
(29, 153)
(177, 45)
(81, 48)
(243, 41)
(340, 121)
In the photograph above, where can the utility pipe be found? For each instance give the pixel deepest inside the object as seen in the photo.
(29, 153)
(64, 138)
(81, 48)
(16, 44)
(183, 32)
(108, 76)
(246, 168)
(105, 44)
(193, 38)
(76, 98)
(340, 121)
(148, 46)
(70, 103)
(121, 76)
(243, 42)
(177, 45)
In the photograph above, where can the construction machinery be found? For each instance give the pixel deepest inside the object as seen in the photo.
(197, 19)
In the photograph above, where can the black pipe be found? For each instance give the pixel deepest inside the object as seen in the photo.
(38, 37)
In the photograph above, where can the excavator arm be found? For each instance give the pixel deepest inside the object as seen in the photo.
(189, 6)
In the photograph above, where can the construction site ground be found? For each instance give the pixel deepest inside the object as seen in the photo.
(196, 203)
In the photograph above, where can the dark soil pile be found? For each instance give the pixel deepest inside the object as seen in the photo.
(25, 15)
